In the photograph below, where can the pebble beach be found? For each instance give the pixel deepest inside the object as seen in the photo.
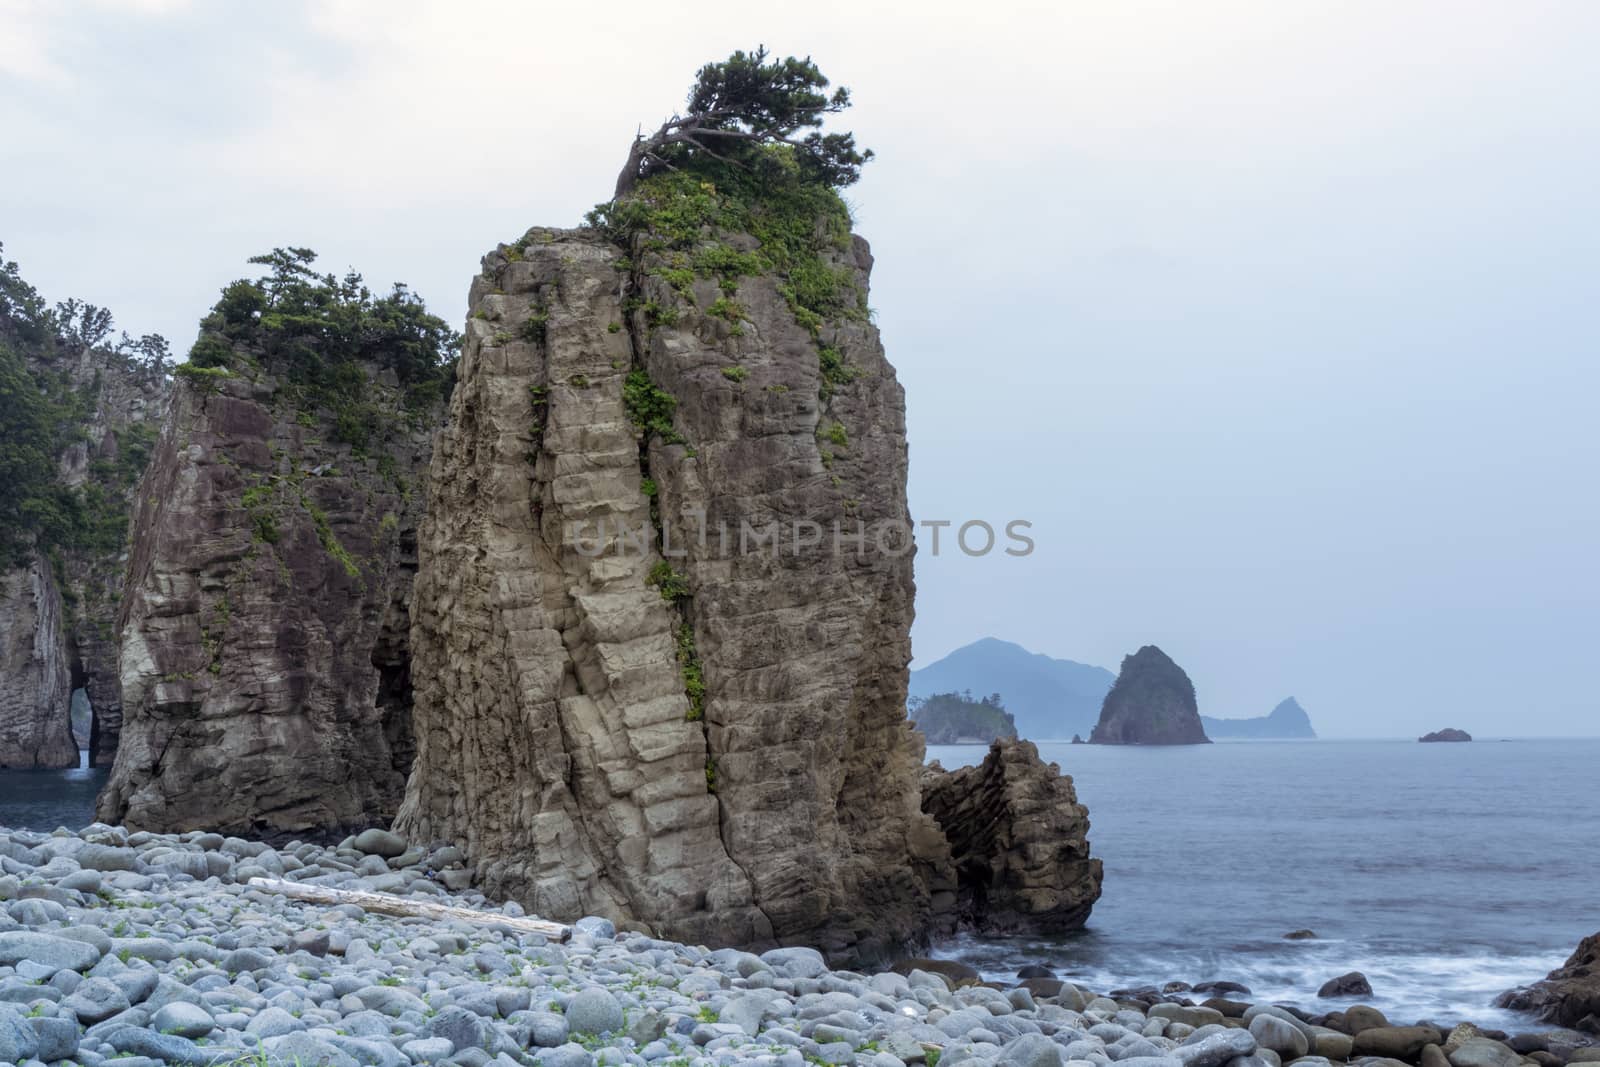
(145, 949)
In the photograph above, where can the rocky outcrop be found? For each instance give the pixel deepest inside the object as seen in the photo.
(1152, 703)
(1018, 841)
(34, 678)
(130, 403)
(77, 418)
(1447, 734)
(1286, 721)
(264, 658)
(704, 734)
(1569, 995)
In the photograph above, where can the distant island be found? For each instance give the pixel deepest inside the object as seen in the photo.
(1287, 720)
(1152, 703)
(958, 719)
(1051, 699)
(1055, 699)
(1447, 734)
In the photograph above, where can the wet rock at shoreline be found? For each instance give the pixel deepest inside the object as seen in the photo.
(1354, 984)
(1567, 996)
(1018, 841)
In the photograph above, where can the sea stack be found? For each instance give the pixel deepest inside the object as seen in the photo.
(264, 628)
(1447, 734)
(1152, 703)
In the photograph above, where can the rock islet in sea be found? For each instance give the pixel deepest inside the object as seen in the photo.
(143, 949)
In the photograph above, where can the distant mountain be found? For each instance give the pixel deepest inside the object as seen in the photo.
(1288, 719)
(1050, 699)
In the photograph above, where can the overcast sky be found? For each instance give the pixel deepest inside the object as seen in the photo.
(1278, 320)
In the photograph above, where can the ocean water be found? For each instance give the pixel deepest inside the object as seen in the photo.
(44, 800)
(1446, 873)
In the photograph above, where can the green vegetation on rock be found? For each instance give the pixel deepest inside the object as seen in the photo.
(44, 411)
(326, 338)
(953, 718)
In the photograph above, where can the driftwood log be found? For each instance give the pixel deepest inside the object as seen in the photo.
(408, 908)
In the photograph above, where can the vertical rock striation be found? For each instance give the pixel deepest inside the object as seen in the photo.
(1018, 841)
(130, 401)
(34, 677)
(264, 657)
(711, 741)
(265, 563)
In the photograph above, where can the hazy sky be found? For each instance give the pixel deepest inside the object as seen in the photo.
(1278, 320)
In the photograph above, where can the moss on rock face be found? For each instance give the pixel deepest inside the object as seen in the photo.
(696, 223)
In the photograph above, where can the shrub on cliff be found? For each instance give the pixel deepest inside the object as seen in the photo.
(741, 106)
(326, 335)
(43, 412)
(949, 718)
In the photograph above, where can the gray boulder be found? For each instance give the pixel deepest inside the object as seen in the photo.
(594, 1011)
(1031, 1050)
(57, 1039)
(1216, 1049)
(185, 1020)
(463, 1029)
(376, 842)
(58, 953)
(1275, 1035)
(96, 999)
(1483, 1052)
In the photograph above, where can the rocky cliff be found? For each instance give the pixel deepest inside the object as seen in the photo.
(34, 678)
(1018, 841)
(1449, 733)
(1152, 703)
(614, 713)
(264, 662)
(78, 415)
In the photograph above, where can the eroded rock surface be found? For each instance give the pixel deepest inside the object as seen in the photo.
(34, 678)
(1018, 841)
(1152, 703)
(264, 622)
(562, 734)
(1567, 996)
(78, 414)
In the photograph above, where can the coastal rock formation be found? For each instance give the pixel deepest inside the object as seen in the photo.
(1286, 721)
(1018, 840)
(78, 416)
(1447, 734)
(33, 671)
(264, 668)
(615, 714)
(1152, 703)
(1569, 995)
